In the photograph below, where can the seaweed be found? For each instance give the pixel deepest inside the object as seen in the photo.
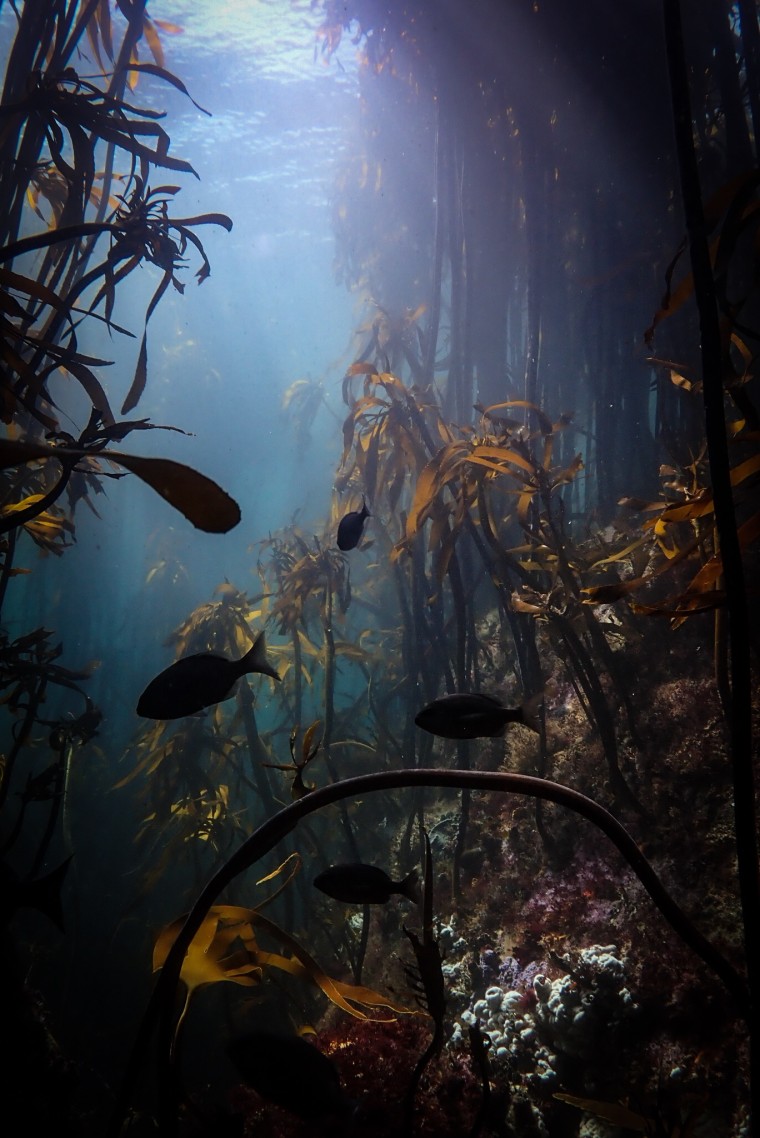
(77, 217)
(497, 560)
(430, 984)
(158, 1017)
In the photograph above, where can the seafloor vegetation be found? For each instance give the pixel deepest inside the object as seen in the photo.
(545, 526)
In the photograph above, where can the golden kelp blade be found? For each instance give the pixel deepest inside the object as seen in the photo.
(545, 424)
(295, 859)
(307, 740)
(342, 994)
(211, 958)
(200, 499)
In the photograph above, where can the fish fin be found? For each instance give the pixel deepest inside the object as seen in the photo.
(411, 888)
(255, 659)
(532, 710)
(45, 894)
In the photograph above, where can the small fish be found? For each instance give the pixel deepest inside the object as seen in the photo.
(199, 681)
(290, 1072)
(351, 526)
(360, 884)
(466, 715)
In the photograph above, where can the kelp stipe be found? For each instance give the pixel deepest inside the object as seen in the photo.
(457, 495)
(311, 583)
(159, 1017)
(429, 983)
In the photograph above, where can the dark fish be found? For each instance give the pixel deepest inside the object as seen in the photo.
(360, 884)
(290, 1072)
(43, 894)
(199, 681)
(474, 716)
(351, 526)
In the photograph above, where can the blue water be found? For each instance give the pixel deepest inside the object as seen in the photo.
(221, 356)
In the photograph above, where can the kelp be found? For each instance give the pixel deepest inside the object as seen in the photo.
(52, 122)
(310, 583)
(225, 948)
(159, 1016)
(301, 403)
(450, 499)
(428, 981)
(710, 294)
(29, 673)
(194, 769)
(496, 487)
(196, 496)
(680, 532)
(141, 230)
(616, 1113)
(296, 766)
(463, 464)
(81, 208)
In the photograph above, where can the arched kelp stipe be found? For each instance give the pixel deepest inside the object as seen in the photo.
(159, 1016)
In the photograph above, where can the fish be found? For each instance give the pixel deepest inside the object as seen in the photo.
(195, 682)
(351, 526)
(43, 894)
(288, 1071)
(360, 884)
(465, 715)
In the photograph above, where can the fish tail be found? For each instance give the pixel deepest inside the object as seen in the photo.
(532, 711)
(45, 894)
(255, 659)
(411, 887)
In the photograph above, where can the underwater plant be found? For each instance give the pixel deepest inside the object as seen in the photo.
(78, 216)
(204, 503)
(159, 1017)
(194, 770)
(57, 123)
(499, 278)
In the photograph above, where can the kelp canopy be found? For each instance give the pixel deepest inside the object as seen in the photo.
(550, 411)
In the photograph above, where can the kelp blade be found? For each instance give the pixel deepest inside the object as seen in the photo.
(198, 497)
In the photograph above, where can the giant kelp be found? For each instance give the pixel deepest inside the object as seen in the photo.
(79, 216)
(484, 566)
(537, 570)
(159, 1016)
(448, 496)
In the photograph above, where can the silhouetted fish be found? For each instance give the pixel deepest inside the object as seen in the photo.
(290, 1072)
(195, 682)
(351, 526)
(359, 884)
(474, 716)
(43, 894)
